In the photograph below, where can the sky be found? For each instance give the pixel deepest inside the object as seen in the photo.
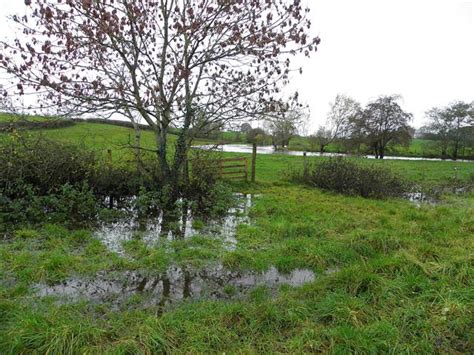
(420, 49)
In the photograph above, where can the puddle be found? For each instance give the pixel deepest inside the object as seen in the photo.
(421, 198)
(174, 285)
(433, 198)
(113, 234)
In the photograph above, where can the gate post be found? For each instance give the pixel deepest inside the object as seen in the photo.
(254, 160)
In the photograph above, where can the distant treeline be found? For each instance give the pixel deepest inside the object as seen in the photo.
(126, 124)
(64, 122)
(30, 125)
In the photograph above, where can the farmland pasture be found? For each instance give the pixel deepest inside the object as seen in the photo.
(390, 276)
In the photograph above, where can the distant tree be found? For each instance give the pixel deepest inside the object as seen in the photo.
(203, 128)
(450, 126)
(343, 111)
(255, 135)
(284, 120)
(381, 123)
(438, 129)
(245, 127)
(467, 135)
(320, 139)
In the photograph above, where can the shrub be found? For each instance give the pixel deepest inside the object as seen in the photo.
(32, 125)
(43, 180)
(42, 164)
(111, 181)
(70, 205)
(209, 195)
(347, 177)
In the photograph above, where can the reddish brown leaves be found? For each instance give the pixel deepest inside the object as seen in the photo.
(224, 57)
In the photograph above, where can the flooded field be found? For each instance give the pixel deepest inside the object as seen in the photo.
(172, 286)
(145, 289)
(266, 150)
(114, 233)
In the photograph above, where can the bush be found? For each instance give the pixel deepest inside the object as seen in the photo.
(43, 180)
(347, 177)
(73, 206)
(43, 165)
(115, 182)
(209, 195)
(32, 125)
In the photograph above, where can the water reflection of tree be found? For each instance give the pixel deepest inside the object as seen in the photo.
(174, 222)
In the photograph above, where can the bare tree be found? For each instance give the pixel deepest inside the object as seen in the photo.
(450, 126)
(382, 122)
(284, 120)
(164, 60)
(343, 111)
(245, 127)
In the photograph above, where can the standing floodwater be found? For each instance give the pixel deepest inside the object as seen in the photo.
(173, 285)
(149, 230)
(267, 150)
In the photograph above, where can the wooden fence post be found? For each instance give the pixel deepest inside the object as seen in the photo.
(246, 170)
(305, 165)
(254, 160)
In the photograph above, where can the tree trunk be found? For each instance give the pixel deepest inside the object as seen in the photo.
(137, 144)
(161, 141)
(376, 150)
(456, 149)
(381, 150)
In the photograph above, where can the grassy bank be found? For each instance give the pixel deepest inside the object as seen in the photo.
(390, 277)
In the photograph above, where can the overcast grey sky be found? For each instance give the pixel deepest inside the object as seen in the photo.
(421, 49)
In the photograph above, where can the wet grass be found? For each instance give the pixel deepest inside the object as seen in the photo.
(391, 277)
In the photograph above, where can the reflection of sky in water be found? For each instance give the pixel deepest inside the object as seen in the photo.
(266, 150)
(112, 234)
(214, 282)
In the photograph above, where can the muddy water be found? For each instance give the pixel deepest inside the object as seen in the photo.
(172, 286)
(113, 234)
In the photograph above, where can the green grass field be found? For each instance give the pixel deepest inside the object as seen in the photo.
(391, 277)
(270, 168)
(118, 137)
